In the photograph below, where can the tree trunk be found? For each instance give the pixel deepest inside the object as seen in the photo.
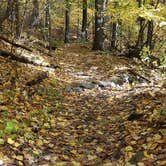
(10, 4)
(98, 43)
(49, 25)
(35, 14)
(84, 34)
(149, 41)
(114, 31)
(114, 35)
(142, 25)
(67, 21)
(17, 13)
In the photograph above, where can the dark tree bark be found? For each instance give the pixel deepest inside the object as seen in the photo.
(114, 32)
(49, 25)
(84, 33)
(67, 21)
(17, 13)
(150, 30)
(142, 25)
(149, 42)
(114, 35)
(98, 43)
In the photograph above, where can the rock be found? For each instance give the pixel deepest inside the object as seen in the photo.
(106, 84)
(87, 85)
(77, 89)
(68, 88)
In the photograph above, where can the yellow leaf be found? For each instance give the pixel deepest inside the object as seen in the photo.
(157, 137)
(65, 157)
(75, 163)
(10, 141)
(2, 141)
(36, 152)
(5, 108)
(162, 163)
(61, 163)
(72, 143)
(91, 157)
(16, 144)
(128, 155)
(141, 164)
(128, 148)
(20, 163)
(99, 149)
(74, 151)
(19, 157)
(153, 146)
(147, 155)
(39, 142)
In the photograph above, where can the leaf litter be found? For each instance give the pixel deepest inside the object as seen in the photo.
(47, 124)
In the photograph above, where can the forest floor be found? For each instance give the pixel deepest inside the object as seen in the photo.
(95, 109)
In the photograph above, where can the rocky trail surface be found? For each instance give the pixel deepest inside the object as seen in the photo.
(95, 109)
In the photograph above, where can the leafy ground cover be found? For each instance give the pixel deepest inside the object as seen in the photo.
(83, 113)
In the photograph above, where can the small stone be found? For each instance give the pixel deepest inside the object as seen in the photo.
(1, 162)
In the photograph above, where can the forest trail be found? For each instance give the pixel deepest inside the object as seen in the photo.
(102, 73)
(95, 109)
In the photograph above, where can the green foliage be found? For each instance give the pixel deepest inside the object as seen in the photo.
(11, 127)
(1, 133)
(145, 54)
(9, 94)
(163, 112)
(148, 58)
(56, 44)
(48, 93)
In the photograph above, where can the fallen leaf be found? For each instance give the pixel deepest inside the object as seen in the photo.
(10, 141)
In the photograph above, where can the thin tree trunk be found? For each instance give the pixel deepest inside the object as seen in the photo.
(114, 35)
(78, 23)
(98, 43)
(67, 21)
(84, 34)
(17, 13)
(142, 25)
(35, 14)
(49, 25)
(114, 32)
(149, 41)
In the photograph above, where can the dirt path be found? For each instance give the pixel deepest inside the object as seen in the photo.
(111, 124)
(89, 112)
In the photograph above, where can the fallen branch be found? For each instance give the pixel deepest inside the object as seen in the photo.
(15, 44)
(23, 59)
(14, 57)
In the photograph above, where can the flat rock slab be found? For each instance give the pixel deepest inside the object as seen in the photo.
(78, 87)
